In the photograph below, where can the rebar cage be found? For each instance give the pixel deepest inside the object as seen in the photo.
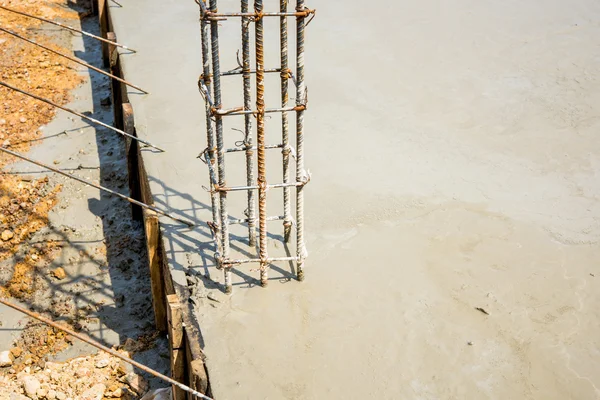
(214, 155)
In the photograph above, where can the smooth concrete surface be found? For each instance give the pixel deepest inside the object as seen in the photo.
(454, 151)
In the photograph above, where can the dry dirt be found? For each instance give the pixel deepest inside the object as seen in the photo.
(25, 202)
(78, 275)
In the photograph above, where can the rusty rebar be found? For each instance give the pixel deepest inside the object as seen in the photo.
(110, 351)
(75, 60)
(210, 135)
(69, 28)
(301, 175)
(80, 115)
(251, 211)
(216, 76)
(260, 140)
(285, 151)
(105, 189)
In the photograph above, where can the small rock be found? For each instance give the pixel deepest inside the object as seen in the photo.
(41, 393)
(102, 363)
(6, 359)
(34, 257)
(6, 143)
(61, 396)
(118, 393)
(113, 387)
(16, 352)
(2, 121)
(82, 372)
(96, 392)
(31, 385)
(51, 394)
(137, 383)
(17, 396)
(7, 235)
(23, 120)
(59, 273)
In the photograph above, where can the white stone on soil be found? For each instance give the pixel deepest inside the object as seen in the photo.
(5, 359)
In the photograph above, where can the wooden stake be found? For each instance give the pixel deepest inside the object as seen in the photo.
(102, 18)
(175, 318)
(175, 322)
(112, 49)
(156, 282)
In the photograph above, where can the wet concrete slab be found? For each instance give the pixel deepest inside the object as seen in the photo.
(454, 153)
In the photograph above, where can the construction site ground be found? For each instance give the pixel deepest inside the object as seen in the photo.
(67, 251)
(452, 219)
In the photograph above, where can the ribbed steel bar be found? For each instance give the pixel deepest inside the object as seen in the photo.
(110, 351)
(68, 27)
(300, 172)
(251, 211)
(105, 189)
(210, 135)
(260, 139)
(80, 115)
(216, 76)
(75, 60)
(283, 39)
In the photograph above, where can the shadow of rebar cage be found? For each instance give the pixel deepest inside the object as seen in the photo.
(214, 155)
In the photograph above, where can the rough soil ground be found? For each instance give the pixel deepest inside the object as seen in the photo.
(66, 251)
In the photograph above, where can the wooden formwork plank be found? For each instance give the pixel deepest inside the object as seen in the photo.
(128, 124)
(196, 371)
(176, 345)
(113, 54)
(131, 150)
(178, 373)
(187, 358)
(103, 20)
(175, 318)
(156, 278)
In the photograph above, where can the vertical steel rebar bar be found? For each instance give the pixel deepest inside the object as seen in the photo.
(285, 151)
(260, 141)
(251, 212)
(210, 136)
(216, 78)
(300, 173)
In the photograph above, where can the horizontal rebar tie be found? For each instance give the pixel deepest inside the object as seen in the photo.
(212, 16)
(241, 111)
(246, 220)
(257, 187)
(228, 263)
